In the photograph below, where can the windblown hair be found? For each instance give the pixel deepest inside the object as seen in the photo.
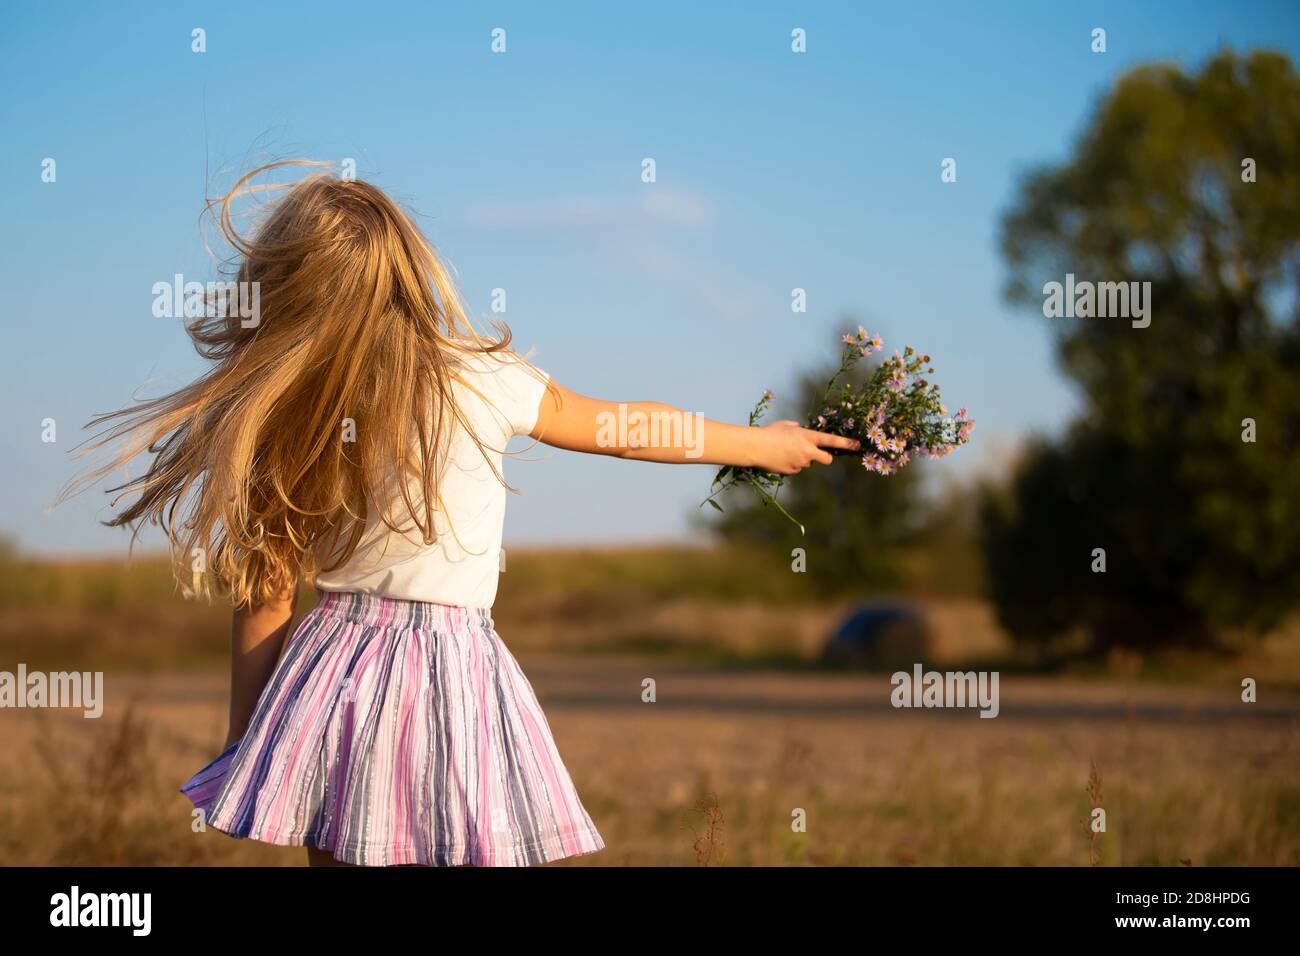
(359, 320)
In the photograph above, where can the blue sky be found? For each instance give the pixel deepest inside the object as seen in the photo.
(775, 170)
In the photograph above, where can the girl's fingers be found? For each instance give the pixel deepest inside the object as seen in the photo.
(827, 440)
(824, 457)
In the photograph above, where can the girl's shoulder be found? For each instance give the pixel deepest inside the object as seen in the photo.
(508, 383)
(475, 361)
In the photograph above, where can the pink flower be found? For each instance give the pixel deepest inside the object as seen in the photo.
(880, 466)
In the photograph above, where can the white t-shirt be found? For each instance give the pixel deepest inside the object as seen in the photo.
(462, 566)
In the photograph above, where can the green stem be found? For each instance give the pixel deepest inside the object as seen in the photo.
(772, 499)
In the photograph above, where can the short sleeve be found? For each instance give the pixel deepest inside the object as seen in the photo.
(517, 390)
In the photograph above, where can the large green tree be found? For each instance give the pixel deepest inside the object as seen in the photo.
(1190, 182)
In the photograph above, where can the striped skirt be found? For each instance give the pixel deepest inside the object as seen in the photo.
(397, 732)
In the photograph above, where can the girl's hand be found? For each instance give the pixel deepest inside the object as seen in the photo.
(787, 448)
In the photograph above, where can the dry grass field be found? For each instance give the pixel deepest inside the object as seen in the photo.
(745, 735)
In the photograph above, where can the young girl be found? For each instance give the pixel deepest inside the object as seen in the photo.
(352, 432)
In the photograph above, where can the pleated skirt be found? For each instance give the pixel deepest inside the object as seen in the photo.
(398, 732)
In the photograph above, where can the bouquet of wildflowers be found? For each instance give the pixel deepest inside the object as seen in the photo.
(897, 415)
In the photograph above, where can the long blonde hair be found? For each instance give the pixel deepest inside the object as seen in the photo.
(358, 320)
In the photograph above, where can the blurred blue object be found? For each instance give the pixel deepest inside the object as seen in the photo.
(879, 635)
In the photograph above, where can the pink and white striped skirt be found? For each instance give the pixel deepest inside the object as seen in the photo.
(398, 732)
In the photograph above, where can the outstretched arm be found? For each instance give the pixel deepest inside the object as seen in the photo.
(652, 431)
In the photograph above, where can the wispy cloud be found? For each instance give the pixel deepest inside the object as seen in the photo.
(593, 215)
(649, 237)
(717, 288)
